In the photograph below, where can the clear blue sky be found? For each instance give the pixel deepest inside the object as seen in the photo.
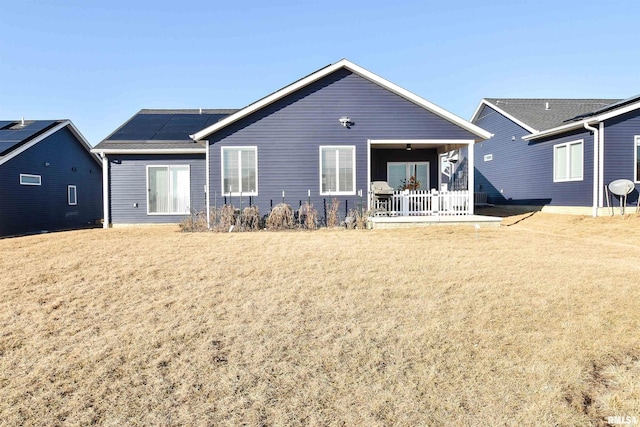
(97, 63)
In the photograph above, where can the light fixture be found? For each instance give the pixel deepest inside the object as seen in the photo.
(408, 147)
(345, 121)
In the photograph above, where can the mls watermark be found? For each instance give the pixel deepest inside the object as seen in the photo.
(622, 420)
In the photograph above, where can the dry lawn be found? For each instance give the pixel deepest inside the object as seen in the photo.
(533, 323)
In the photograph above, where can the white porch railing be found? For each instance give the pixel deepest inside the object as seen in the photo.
(423, 203)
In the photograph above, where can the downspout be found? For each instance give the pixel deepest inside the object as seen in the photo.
(601, 166)
(596, 158)
(206, 185)
(105, 190)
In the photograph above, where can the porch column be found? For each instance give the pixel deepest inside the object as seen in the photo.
(471, 176)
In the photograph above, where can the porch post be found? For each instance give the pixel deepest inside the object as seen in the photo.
(368, 187)
(471, 176)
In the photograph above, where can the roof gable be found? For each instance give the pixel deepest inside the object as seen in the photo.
(18, 136)
(323, 72)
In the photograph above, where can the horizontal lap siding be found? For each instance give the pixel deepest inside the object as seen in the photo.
(521, 172)
(574, 193)
(288, 135)
(29, 209)
(128, 186)
(619, 149)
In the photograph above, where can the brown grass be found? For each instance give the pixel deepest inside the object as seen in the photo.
(533, 323)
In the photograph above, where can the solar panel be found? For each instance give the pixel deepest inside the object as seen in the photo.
(12, 137)
(141, 127)
(164, 127)
(4, 123)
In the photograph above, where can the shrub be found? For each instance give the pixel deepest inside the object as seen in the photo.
(357, 219)
(308, 216)
(222, 219)
(195, 222)
(250, 219)
(281, 217)
(333, 219)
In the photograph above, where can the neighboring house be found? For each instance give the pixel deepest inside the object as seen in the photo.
(49, 180)
(557, 153)
(327, 135)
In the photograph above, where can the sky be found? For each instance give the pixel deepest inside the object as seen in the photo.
(98, 63)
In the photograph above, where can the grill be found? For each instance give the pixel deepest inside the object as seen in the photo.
(382, 193)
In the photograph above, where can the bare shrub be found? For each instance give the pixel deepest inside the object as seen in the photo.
(250, 219)
(359, 218)
(281, 217)
(222, 219)
(333, 219)
(197, 221)
(308, 216)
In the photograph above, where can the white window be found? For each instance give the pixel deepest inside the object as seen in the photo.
(26, 179)
(568, 159)
(72, 195)
(337, 170)
(168, 189)
(637, 158)
(240, 171)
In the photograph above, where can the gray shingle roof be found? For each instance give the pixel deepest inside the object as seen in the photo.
(542, 114)
(162, 129)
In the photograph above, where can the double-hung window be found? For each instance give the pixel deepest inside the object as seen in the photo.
(337, 170)
(568, 161)
(168, 190)
(240, 171)
(637, 157)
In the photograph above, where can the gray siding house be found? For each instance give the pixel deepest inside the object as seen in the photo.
(557, 153)
(49, 180)
(327, 135)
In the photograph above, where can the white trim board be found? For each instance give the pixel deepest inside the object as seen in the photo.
(151, 151)
(344, 63)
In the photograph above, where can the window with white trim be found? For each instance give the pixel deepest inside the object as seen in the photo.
(337, 170)
(240, 171)
(637, 157)
(28, 179)
(168, 190)
(568, 161)
(72, 195)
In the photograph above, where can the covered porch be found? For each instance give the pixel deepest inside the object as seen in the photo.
(428, 182)
(420, 178)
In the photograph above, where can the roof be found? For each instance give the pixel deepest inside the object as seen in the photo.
(538, 114)
(481, 134)
(15, 133)
(16, 136)
(594, 117)
(161, 131)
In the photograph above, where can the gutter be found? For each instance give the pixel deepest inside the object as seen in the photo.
(596, 161)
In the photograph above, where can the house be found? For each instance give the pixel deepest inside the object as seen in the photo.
(328, 135)
(49, 180)
(560, 154)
